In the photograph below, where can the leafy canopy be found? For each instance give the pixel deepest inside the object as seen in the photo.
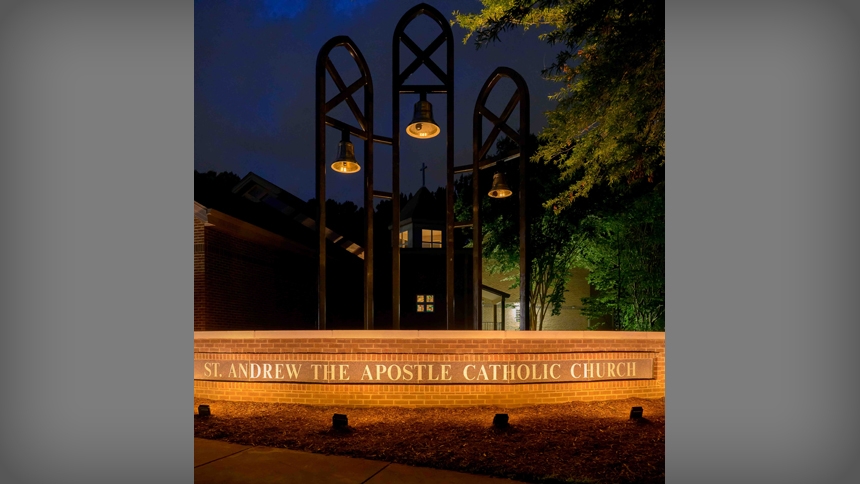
(609, 125)
(624, 250)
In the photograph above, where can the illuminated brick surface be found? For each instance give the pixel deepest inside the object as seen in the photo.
(431, 346)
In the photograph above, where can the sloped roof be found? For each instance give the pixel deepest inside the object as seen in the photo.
(253, 191)
(421, 206)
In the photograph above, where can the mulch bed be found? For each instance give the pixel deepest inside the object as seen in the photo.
(577, 442)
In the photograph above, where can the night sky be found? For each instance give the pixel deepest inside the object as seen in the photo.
(254, 88)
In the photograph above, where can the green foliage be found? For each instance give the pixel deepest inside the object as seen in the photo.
(553, 239)
(606, 139)
(618, 236)
(625, 252)
(609, 125)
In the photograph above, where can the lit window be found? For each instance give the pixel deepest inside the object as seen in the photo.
(421, 299)
(431, 239)
(404, 238)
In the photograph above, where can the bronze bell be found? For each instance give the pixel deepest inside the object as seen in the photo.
(500, 187)
(345, 161)
(422, 125)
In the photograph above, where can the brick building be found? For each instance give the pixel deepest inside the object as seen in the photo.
(255, 267)
(255, 264)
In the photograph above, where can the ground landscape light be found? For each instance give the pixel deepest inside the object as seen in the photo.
(635, 413)
(203, 410)
(339, 420)
(500, 420)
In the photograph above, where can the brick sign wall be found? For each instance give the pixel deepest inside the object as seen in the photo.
(427, 368)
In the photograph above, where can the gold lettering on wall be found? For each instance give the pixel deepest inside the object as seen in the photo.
(426, 372)
(466, 372)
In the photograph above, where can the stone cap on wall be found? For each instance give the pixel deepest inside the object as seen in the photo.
(427, 334)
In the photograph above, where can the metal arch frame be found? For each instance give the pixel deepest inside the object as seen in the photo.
(398, 87)
(364, 131)
(480, 147)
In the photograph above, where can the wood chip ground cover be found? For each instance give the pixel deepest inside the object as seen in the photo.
(577, 442)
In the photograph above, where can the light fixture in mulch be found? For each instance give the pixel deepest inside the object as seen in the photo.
(500, 420)
(203, 410)
(635, 413)
(339, 420)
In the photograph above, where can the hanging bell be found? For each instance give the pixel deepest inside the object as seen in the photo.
(500, 187)
(345, 161)
(422, 125)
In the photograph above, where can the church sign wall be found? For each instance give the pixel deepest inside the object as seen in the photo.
(427, 368)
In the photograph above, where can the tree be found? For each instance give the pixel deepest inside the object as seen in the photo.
(345, 218)
(625, 251)
(609, 125)
(607, 135)
(553, 239)
(211, 187)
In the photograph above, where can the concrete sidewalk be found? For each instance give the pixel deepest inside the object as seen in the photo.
(218, 462)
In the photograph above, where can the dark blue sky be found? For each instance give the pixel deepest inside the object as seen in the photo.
(254, 87)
